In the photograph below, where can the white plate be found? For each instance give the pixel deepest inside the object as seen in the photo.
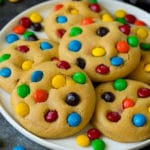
(67, 143)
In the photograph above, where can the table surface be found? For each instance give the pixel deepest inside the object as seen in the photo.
(9, 135)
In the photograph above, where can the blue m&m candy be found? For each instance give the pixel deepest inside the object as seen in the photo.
(5, 72)
(73, 119)
(116, 61)
(36, 76)
(74, 46)
(61, 19)
(45, 45)
(138, 120)
(19, 147)
(10, 38)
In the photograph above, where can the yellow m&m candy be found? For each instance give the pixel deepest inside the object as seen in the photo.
(13, 1)
(58, 81)
(36, 17)
(22, 109)
(120, 13)
(83, 140)
(27, 65)
(147, 68)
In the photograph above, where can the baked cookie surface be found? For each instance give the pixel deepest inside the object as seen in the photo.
(20, 56)
(53, 100)
(122, 110)
(71, 12)
(142, 72)
(105, 51)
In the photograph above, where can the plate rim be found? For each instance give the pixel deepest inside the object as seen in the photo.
(12, 120)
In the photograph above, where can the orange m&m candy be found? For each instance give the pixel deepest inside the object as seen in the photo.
(122, 47)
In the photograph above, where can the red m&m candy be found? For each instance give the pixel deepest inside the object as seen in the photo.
(93, 133)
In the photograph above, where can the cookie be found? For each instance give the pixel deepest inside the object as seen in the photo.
(122, 110)
(142, 72)
(104, 50)
(71, 12)
(20, 56)
(53, 100)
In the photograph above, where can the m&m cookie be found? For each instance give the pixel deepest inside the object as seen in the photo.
(20, 56)
(53, 100)
(142, 72)
(104, 50)
(72, 12)
(122, 110)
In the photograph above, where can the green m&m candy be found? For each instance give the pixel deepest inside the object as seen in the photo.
(119, 84)
(1, 2)
(75, 31)
(121, 20)
(79, 77)
(4, 57)
(132, 41)
(93, 1)
(98, 144)
(145, 46)
(23, 90)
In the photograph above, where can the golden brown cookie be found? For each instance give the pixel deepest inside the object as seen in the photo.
(20, 56)
(71, 12)
(142, 72)
(122, 110)
(105, 51)
(53, 100)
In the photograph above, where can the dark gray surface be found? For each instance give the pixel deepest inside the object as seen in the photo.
(12, 137)
(9, 10)
(8, 134)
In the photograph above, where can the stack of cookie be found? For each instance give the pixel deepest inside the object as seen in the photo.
(50, 80)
